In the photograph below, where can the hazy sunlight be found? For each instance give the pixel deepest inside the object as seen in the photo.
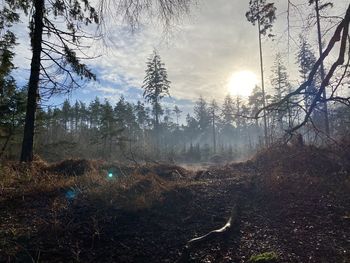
(242, 83)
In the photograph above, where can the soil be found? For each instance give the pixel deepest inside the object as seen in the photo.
(299, 220)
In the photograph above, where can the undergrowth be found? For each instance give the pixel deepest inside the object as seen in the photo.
(67, 205)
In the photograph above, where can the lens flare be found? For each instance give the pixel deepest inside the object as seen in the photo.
(70, 194)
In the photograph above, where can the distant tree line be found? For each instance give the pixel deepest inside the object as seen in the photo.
(126, 131)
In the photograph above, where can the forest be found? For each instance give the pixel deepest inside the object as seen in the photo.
(170, 161)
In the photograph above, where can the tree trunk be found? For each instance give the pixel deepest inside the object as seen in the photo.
(156, 127)
(33, 86)
(325, 107)
(214, 133)
(263, 87)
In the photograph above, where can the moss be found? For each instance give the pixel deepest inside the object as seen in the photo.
(267, 257)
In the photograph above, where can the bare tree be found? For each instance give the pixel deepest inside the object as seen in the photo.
(322, 71)
(133, 11)
(341, 35)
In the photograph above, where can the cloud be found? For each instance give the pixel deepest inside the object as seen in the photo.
(200, 53)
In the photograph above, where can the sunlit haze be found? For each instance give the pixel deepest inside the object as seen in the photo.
(242, 83)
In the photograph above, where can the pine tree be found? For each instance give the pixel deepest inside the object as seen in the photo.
(94, 112)
(202, 113)
(255, 100)
(279, 78)
(66, 114)
(279, 81)
(305, 57)
(213, 109)
(76, 115)
(156, 85)
(227, 111)
(56, 44)
(12, 103)
(177, 112)
(191, 128)
(306, 60)
(141, 115)
(107, 128)
(55, 36)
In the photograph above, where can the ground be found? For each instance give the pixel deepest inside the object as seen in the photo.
(296, 209)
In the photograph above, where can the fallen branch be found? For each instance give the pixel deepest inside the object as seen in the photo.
(195, 242)
(211, 234)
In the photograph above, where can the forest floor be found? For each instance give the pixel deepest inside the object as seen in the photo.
(293, 204)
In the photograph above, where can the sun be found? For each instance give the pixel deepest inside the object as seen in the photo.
(242, 83)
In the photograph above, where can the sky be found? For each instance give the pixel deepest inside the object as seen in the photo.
(201, 52)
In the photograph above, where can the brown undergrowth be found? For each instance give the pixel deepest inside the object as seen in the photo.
(39, 202)
(74, 211)
(300, 169)
(129, 186)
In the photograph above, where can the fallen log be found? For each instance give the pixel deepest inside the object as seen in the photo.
(195, 242)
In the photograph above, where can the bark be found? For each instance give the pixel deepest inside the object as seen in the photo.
(33, 86)
(214, 133)
(262, 86)
(326, 121)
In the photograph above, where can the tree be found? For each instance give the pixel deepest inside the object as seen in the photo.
(255, 101)
(279, 81)
(322, 71)
(227, 113)
(141, 114)
(11, 99)
(76, 115)
(167, 116)
(306, 60)
(340, 35)
(52, 44)
(66, 113)
(156, 85)
(214, 108)
(202, 114)
(237, 111)
(7, 43)
(177, 112)
(108, 128)
(264, 15)
(94, 112)
(56, 43)
(191, 128)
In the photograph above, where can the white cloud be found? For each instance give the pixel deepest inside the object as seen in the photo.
(200, 54)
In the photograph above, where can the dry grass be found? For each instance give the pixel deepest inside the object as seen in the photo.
(301, 169)
(89, 181)
(46, 202)
(132, 193)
